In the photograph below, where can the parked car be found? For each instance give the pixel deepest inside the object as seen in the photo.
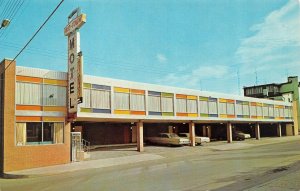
(239, 135)
(168, 139)
(198, 139)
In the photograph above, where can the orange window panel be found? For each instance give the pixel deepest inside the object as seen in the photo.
(230, 116)
(181, 96)
(28, 118)
(29, 107)
(135, 91)
(137, 112)
(230, 101)
(182, 114)
(29, 79)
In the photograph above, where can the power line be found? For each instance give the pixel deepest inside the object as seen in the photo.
(35, 33)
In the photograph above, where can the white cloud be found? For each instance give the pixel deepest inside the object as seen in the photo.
(193, 78)
(275, 45)
(161, 58)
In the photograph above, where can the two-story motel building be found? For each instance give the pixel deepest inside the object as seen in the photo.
(36, 130)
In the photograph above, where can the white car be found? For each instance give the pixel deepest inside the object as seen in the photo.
(244, 135)
(168, 139)
(198, 139)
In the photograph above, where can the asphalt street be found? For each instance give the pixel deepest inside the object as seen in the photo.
(221, 167)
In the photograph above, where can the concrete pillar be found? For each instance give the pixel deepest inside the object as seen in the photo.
(229, 132)
(204, 131)
(257, 131)
(170, 129)
(209, 131)
(289, 129)
(279, 130)
(296, 117)
(140, 138)
(192, 133)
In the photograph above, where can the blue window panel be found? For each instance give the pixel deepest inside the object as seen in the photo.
(213, 115)
(152, 93)
(212, 99)
(101, 111)
(240, 116)
(154, 113)
(239, 102)
(101, 87)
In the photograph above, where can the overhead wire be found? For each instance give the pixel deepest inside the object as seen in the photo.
(35, 34)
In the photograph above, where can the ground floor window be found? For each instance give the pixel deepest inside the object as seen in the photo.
(30, 133)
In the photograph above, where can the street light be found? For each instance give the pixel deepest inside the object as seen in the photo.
(5, 23)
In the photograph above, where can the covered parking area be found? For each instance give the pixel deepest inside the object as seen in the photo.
(128, 131)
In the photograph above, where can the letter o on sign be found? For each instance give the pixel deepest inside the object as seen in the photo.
(71, 58)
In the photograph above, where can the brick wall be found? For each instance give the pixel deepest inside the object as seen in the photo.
(24, 157)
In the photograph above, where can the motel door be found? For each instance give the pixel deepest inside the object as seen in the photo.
(75, 146)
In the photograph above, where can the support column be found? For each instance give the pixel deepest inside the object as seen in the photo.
(204, 131)
(279, 130)
(192, 133)
(170, 129)
(140, 138)
(229, 132)
(257, 131)
(209, 131)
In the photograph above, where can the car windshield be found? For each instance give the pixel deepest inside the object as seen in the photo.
(173, 135)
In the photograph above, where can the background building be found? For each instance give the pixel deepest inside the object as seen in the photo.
(288, 91)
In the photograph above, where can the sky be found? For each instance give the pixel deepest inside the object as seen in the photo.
(219, 45)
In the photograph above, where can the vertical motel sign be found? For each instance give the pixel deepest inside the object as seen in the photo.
(75, 60)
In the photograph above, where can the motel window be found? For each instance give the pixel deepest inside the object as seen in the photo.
(54, 95)
(276, 112)
(271, 111)
(137, 102)
(290, 112)
(167, 104)
(204, 107)
(154, 103)
(121, 101)
(259, 110)
(28, 93)
(222, 107)
(35, 133)
(286, 112)
(100, 99)
(239, 109)
(212, 107)
(86, 98)
(181, 105)
(265, 111)
(281, 112)
(253, 110)
(230, 108)
(192, 106)
(245, 109)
